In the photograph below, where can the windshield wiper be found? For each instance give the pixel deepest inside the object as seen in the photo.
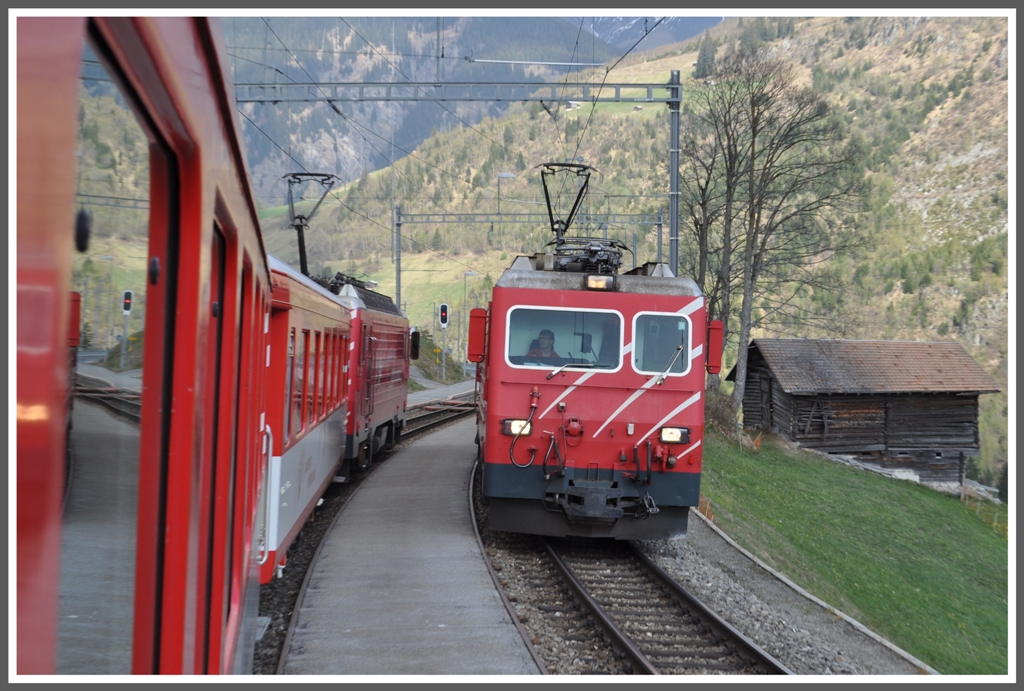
(661, 377)
(571, 364)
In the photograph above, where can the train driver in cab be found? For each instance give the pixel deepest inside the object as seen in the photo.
(544, 346)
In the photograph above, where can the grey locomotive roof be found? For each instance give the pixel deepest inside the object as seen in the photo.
(808, 366)
(351, 297)
(523, 274)
(371, 300)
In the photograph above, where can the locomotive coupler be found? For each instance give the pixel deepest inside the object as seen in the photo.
(647, 508)
(590, 501)
(560, 472)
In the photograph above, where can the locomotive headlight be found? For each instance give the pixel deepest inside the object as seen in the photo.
(516, 427)
(600, 282)
(675, 435)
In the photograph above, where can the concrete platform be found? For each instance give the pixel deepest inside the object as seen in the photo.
(400, 586)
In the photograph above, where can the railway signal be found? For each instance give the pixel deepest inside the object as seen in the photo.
(126, 302)
(443, 314)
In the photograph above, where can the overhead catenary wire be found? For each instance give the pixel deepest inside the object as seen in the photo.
(408, 78)
(360, 125)
(362, 215)
(356, 123)
(370, 131)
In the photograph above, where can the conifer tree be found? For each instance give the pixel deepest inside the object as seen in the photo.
(705, 58)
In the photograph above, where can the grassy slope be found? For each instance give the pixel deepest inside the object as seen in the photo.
(914, 565)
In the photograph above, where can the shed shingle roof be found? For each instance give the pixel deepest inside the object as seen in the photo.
(808, 366)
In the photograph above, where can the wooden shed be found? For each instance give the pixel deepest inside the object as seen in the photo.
(900, 404)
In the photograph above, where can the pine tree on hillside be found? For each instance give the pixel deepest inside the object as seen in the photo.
(705, 57)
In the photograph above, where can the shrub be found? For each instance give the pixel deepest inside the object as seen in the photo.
(718, 412)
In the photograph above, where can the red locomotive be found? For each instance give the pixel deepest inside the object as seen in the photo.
(382, 346)
(150, 566)
(590, 388)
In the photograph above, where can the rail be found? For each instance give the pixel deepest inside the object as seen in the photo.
(649, 617)
(126, 402)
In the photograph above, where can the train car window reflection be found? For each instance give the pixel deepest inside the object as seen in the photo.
(100, 521)
(658, 338)
(539, 337)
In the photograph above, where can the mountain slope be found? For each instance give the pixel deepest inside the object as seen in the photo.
(926, 98)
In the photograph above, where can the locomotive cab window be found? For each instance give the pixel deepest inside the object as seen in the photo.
(662, 343)
(542, 337)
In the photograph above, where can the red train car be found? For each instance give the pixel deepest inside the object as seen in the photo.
(150, 565)
(311, 338)
(382, 346)
(590, 392)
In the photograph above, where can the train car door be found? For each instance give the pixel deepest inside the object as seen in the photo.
(209, 470)
(370, 356)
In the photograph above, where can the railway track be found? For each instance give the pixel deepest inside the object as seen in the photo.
(602, 607)
(427, 416)
(420, 418)
(125, 402)
(660, 627)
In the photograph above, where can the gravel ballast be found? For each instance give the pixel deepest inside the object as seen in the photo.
(803, 634)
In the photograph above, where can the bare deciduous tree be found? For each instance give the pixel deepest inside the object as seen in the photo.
(796, 185)
(768, 173)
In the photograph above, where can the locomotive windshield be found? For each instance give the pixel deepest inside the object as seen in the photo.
(662, 344)
(542, 337)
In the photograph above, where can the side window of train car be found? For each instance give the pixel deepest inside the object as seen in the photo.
(662, 343)
(306, 403)
(97, 579)
(325, 367)
(299, 379)
(289, 385)
(542, 337)
(314, 380)
(318, 389)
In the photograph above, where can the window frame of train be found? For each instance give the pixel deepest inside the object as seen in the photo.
(328, 396)
(306, 402)
(288, 384)
(109, 586)
(523, 323)
(642, 323)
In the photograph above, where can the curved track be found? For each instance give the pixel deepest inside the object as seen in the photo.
(424, 417)
(122, 401)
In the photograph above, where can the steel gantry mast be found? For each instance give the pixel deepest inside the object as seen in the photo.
(670, 94)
